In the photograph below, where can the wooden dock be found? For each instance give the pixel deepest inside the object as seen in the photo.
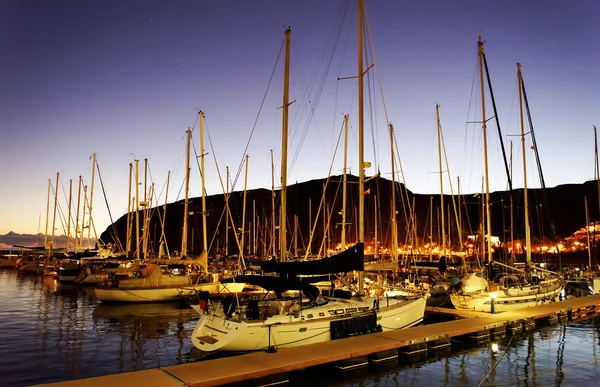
(352, 352)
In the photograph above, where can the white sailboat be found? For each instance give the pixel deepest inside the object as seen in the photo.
(510, 291)
(308, 318)
(154, 285)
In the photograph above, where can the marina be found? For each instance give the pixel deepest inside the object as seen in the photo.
(347, 280)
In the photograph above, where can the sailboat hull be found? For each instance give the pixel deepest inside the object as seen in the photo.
(509, 298)
(313, 325)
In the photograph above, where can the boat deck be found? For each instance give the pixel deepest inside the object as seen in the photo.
(262, 364)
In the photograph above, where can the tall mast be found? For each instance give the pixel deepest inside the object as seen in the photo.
(91, 199)
(587, 227)
(430, 228)
(361, 161)
(244, 213)
(163, 237)
(274, 249)
(47, 213)
(485, 155)
(344, 182)
(526, 199)
(77, 234)
(202, 154)
(227, 213)
(187, 188)
(55, 205)
(439, 136)
(394, 230)
(144, 204)
(69, 216)
(512, 237)
(128, 237)
(137, 210)
(597, 166)
(284, 144)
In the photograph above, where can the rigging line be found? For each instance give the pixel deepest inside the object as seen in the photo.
(113, 227)
(226, 195)
(239, 171)
(330, 45)
(451, 187)
(320, 87)
(317, 220)
(467, 121)
(372, 49)
(337, 85)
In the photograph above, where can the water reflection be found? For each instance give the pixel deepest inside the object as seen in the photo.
(562, 355)
(51, 332)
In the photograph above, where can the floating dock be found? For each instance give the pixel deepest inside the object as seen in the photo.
(262, 368)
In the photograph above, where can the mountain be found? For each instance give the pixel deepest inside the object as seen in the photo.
(37, 240)
(555, 211)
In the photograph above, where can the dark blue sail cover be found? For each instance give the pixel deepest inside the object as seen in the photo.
(349, 260)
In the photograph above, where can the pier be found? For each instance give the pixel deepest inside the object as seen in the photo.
(288, 364)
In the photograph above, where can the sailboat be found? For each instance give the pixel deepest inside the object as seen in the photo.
(507, 291)
(307, 317)
(154, 284)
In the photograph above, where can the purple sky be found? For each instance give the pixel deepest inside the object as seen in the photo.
(125, 78)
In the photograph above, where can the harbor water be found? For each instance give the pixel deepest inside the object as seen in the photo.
(51, 332)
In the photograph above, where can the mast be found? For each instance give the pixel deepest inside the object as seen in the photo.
(430, 228)
(375, 240)
(128, 243)
(163, 238)
(54, 217)
(244, 213)
(274, 249)
(512, 235)
(597, 167)
(91, 199)
(344, 191)
(227, 214)
(394, 231)
(525, 199)
(47, 213)
(145, 207)
(77, 235)
(284, 144)
(361, 161)
(587, 227)
(202, 154)
(137, 210)
(185, 205)
(485, 155)
(69, 215)
(439, 136)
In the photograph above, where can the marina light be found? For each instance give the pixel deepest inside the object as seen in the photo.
(494, 347)
(493, 302)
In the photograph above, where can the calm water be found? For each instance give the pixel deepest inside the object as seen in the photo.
(50, 332)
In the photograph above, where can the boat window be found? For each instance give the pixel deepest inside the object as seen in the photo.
(349, 310)
(303, 329)
(321, 314)
(309, 315)
(339, 311)
(331, 312)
